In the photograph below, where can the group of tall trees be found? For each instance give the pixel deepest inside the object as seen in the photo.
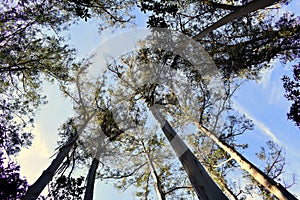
(112, 134)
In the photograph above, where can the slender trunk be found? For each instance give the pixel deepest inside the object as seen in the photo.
(35, 189)
(157, 183)
(242, 11)
(275, 188)
(204, 186)
(89, 191)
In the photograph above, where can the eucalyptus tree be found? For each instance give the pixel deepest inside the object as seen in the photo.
(28, 57)
(207, 106)
(145, 162)
(84, 138)
(33, 50)
(242, 37)
(273, 156)
(86, 111)
(144, 78)
(218, 128)
(142, 83)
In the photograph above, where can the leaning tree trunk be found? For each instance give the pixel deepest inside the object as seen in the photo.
(157, 183)
(240, 12)
(35, 189)
(89, 190)
(202, 183)
(272, 186)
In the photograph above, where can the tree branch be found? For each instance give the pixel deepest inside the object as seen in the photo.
(242, 11)
(177, 188)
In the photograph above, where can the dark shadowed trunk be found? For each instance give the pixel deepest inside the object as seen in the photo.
(89, 191)
(35, 189)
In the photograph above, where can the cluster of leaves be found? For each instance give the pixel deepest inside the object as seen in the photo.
(240, 48)
(12, 134)
(159, 9)
(112, 13)
(244, 47)
(274, 158)
(292, 93)
(143, 153)
(11, 184)
(29, 55)
(66, 188)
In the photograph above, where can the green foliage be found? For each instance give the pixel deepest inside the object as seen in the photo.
(66, 188)
(273, 157)
(108, 124)
(292, 93)
(249, 47)
(114, 13)
(29, 55)
(243, 46)
(12, 186)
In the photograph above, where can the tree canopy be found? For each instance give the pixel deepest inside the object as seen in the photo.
(111, 135)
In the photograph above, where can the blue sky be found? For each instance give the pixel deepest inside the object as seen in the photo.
(263, 102)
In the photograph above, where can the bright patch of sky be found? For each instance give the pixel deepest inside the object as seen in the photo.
(264, 103)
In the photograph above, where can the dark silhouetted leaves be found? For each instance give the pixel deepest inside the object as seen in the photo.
(292, 93)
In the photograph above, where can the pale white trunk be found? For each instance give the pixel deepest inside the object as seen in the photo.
(275, 188)
(35, 189)
(204, 186)
(157, 183)
(242, 11)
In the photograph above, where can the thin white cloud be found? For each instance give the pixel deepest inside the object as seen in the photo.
(276, 96)
(258, 123)
(266, 77)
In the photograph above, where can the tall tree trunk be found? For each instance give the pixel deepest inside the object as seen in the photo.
(35, 189)
(204, 186)
(89, 191)
(275, 188)
(242, 11)
(157, 183)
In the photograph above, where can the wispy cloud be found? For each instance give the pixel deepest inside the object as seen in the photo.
(258, 123)
(266, 77)
(276, 96)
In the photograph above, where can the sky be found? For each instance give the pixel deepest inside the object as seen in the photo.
(262, 102)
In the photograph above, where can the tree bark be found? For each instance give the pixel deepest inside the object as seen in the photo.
(242, 11)
(157, 183)
(275, 188)
(89, 191)
(35, 189)
(204, 186)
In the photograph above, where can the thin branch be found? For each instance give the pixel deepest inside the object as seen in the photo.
(177, 188)
(125, 175)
